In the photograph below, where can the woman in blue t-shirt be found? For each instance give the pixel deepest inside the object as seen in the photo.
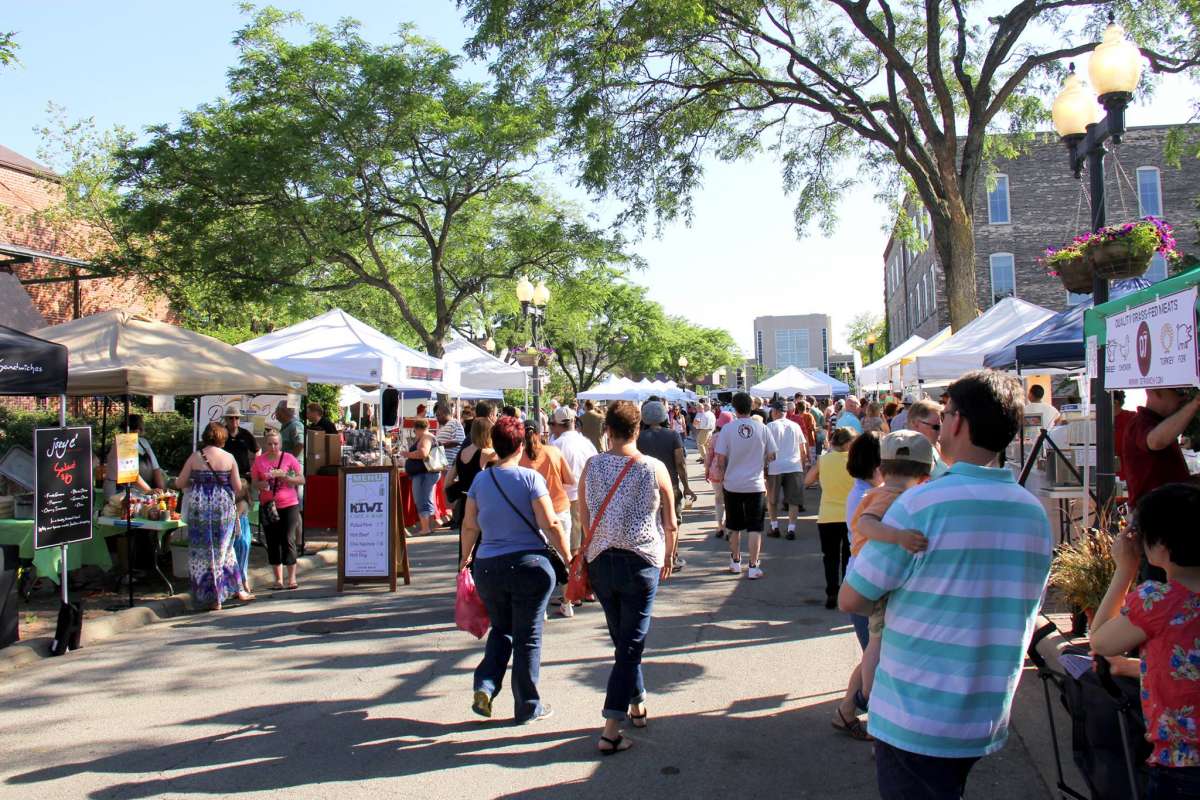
(506, 506)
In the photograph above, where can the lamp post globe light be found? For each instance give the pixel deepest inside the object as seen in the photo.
(870, 347)
(683, 365)
(533, 307)
(1115, 68)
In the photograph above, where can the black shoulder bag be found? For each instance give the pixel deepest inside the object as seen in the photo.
(556, 561)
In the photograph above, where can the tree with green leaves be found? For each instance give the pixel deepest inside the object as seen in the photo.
(8, 48)
(337, 165)
(907, 89)
(863, 326)
(706, 350)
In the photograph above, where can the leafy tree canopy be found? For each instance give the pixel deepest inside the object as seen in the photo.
(861, 327)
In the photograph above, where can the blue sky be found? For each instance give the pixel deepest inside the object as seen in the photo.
(137, 63)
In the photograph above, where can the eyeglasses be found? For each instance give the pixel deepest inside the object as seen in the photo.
(931, 425)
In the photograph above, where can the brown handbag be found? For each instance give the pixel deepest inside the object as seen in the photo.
(578, 585)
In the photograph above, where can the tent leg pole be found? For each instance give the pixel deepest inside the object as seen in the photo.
(129, 521)
(62, 423)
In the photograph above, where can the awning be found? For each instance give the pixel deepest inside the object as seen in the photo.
(31, 366)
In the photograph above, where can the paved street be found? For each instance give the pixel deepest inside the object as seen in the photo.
(366, 694)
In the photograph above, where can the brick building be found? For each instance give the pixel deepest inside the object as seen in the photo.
(1034, 202)
(43, 266)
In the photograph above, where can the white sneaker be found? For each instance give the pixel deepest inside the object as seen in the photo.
(735, 566)
(754, 573)
(565, 609)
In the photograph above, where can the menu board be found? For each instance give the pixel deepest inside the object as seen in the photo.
(367, 528)
(62, 491)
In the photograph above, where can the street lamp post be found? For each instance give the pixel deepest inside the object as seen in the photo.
(533, 307)
(683, 365)
(870, 348)
(1115, 68)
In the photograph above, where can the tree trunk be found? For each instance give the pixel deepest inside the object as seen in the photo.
(954, 239)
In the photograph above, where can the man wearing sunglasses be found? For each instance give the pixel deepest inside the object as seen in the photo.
(959, 614)
(924, 417)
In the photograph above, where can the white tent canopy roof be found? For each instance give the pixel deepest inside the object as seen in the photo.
(789, 381)
(991, 331)
(613, 388)
(337, 348)
(877, 374)
(482, 370)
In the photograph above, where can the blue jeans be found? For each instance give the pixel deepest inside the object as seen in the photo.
(1169, 783)
(903, 775)
(625, 584)
(424, 485)
(516, 589)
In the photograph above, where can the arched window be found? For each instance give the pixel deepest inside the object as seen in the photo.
(1004, 276)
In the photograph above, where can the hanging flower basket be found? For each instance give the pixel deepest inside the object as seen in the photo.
(534, 356)
(1112, 253)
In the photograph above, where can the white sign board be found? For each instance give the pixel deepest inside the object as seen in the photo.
(368, 525)
(258, 410)
(1153, 345)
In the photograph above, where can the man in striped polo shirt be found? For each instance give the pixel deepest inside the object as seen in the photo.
(960, 614)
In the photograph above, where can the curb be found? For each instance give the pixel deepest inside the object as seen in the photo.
(96, 631)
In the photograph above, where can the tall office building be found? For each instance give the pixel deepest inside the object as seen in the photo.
(801, 340)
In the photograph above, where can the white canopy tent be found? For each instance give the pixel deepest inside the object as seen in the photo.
(789, 381)
(991, 331)
(337, 348)
(613, 388)
(482, 370)
(876, 376)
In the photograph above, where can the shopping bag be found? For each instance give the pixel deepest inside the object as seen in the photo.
(470, 614)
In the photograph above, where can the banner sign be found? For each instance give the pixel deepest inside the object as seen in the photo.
(1153, 345)
(62, 492)
(127, 457)
(424, 374)
(258, 410)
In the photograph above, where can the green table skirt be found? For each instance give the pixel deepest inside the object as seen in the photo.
(49, 559)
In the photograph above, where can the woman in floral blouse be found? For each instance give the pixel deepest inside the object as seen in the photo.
(1163, 619)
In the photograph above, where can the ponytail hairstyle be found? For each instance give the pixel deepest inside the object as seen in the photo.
(533, 441)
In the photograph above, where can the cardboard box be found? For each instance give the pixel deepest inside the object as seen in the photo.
(321, 450)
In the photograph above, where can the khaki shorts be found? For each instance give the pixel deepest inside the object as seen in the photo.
(576, 534)
(792, 486)
(875, 624)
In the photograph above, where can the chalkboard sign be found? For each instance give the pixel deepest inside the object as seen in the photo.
(62, 491)
(369, 536)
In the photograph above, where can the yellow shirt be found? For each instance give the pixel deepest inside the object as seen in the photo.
(836, 484)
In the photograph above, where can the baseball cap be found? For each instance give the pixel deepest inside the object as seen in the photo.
(724, 419)
(533, 425)
(910, 398)
(562, 415)
(906, 446)
(778, 405)
(654, 413)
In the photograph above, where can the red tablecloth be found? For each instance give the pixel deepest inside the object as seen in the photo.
(410, 508)
(321, 500)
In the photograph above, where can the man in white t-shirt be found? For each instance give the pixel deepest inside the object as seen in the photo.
(743, 451)
(785, 474)
(702, 428)
(1037, 405)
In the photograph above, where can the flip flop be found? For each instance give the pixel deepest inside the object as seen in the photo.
(291, 586)
(277, 587)
(616, 745)
(639, 720)
(852, 727)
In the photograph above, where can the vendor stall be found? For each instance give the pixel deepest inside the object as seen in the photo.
(966, 349)
(613, 388)
(480, 370)
(791, 380)
(840, 388)
(876, 376)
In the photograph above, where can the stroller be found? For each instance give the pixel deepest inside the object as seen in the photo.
(1111, 757)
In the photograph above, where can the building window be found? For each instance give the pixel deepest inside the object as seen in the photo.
(791, 348)
(1149, 192)
(1157, 271)
(998, 211)
(758, 347)
(1004, 279)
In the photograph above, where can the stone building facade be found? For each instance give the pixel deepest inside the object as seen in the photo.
(26, 190)
(801, 340)
(1033, 202)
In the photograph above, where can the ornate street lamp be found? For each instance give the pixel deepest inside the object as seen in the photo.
(533, 307)
(683, 365)
(1115, 69)
(870, 348)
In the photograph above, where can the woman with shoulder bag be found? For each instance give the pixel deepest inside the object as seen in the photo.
(627, 507)
(424, 481)
(507, 508)
(276, 475)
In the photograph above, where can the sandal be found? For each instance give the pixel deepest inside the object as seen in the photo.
(639, 720)
(292, 586)
(246, 597)
(852, 727)
(277, 586)
(616, 745)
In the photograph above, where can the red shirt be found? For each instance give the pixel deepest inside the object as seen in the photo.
(807, 424)
(1147, 469)
(1120, 426)
(1169, 615)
